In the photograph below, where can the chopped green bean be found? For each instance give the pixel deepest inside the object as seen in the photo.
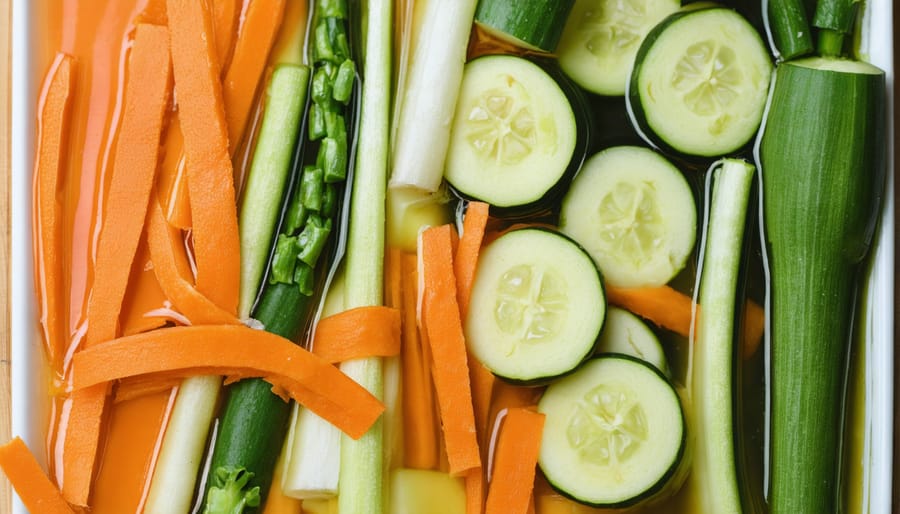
(311, 185)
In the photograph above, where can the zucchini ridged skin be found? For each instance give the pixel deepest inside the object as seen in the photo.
(538, 23)
(254, 421)
(822, 161)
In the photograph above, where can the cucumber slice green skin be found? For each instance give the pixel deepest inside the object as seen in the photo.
(625, 333)
(822, 159)
(635, 214)
(522, 323)
(538, 198)
(602, 37)
(683, 122)
(564, 466)
(530, 24)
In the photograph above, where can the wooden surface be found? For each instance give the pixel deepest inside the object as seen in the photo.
(5, 14)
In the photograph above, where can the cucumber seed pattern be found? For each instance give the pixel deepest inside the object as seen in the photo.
(607, 427)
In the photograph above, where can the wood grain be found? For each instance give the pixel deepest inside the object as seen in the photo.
(5, 164)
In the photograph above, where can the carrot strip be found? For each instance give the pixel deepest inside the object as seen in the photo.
(33, 486)
(54, 110)
(171, 184)
(254, 42)
(482, 389)
(194, 306)
(225, 16)
(210, 180)
(143, 296)
(420, 440)
(234, 350)
(133, 173)
(663, 305)
(136, 387)
(448, 349)
(146, 97)
(512, 480)
(81, 438)
(467, 252)
(372, 331)
(672, 310)
(475, 485)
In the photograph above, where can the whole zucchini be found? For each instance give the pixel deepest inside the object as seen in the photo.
(822, 159)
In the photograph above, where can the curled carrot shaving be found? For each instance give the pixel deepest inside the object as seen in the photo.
(210, 179)
(144, 297)
(33, 486)
(194, 306)
(512, 479)
(133, 174)
(52, 127)
(239, 351)
(448, 349)
(372, 331)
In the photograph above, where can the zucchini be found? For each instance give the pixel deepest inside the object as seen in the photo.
(530, 24)
(788, 23)
(700, 82)
(514, 134)
(254, 420)
(716, 349)
(537, 306)
(625, 333)
(822, 160)
(635, 214)
(602, 37)
(614, 434)
(269, 174)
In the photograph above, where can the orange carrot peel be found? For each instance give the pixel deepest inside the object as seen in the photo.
(52, 123)
(512, 480)
(146, 97)
(206, 147)
(358, 333)
(180, 291)
(673, 310)
(448, 348)
(33, 486)
(239, 351)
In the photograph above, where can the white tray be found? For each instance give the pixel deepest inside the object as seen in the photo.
(28, 372)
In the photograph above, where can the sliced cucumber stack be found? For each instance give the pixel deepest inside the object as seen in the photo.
(537, 306)
(602, 37)
(514, 133)
(614, 435)
(634, 212)
(700, 82)
(531, 24)
(625, 333)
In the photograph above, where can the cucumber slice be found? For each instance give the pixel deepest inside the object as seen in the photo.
(625, 333)
(602, 37)
(700, 82)
(531, 24)
(514, 133)
(614, 435)
(537, 306)
(634, 212)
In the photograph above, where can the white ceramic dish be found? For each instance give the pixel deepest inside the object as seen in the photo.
(28, 371)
